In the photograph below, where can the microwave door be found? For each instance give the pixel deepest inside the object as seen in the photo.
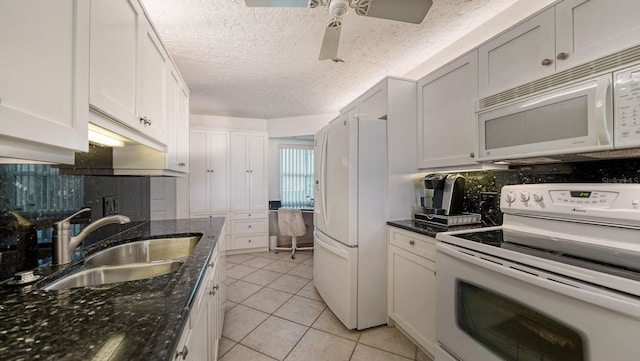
(569, 120)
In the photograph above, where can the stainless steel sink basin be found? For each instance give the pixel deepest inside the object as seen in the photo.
(149, 250)
(112, 274)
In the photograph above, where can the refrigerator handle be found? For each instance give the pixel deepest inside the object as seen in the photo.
(323, 175)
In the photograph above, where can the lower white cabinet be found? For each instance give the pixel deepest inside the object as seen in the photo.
(203, 330)
(411, 286)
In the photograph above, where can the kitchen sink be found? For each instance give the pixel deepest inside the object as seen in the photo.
(112, 274)
(150, 250)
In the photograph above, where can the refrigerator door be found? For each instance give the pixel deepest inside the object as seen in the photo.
(334, 275)
(320, 172)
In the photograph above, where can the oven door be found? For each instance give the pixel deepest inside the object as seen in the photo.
(492, 309)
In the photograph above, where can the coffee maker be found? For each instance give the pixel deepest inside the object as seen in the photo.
(448, 193)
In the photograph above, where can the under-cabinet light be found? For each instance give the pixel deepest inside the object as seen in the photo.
(104, 137)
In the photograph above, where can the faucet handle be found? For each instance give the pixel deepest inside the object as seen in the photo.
(65, 222)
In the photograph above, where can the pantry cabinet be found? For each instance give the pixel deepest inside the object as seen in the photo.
(446, 114)
(571, 33)
(44, 84)
(128, 71)
(228, 178)
(411, 286)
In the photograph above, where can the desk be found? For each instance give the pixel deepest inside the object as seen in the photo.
(307, 215)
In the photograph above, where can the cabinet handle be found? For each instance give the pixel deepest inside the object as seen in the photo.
(249, 241)
(183, 353)
(562, 56)
(213, 290)
(249, 226)
(249, 214)
(412, 242)
(472, 155)
(181, 164)
(547, 62)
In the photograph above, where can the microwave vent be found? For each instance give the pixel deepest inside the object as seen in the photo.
(606, 64)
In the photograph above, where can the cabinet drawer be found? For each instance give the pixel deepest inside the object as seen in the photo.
(253, 241)
(250, 215)
(249, 227)
(422, 246)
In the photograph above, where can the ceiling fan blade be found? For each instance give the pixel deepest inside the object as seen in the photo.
(329, 49)
(277, 3)
(408, 11)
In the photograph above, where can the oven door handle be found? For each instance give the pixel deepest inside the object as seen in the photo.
(536, 277)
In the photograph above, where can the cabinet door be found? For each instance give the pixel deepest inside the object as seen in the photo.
(200, 170)
(412, 296)
(446, 108)
(114, 39)
(258, 171)
(182, 129)
(44, 70)
(374, 102)
(589, 29)
(219, 170)
(151, 78)
(518, 55)
(214, 306)
(239, 170)
(173, 117)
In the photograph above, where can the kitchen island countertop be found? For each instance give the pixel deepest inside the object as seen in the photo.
(135, 320)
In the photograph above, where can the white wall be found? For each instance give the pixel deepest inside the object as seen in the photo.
(214, 121)
(274, 163)
(294, 126)
(509, 17)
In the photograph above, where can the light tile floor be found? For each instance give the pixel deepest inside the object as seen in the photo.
(275, 313)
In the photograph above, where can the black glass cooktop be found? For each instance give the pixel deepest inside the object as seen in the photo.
(497, 238)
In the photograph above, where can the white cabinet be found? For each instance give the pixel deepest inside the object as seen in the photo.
(202, 332)
(248, 170)
(571, 33)
(394, 99)
(411, 286)
(128, 72)
(446, 114)
(228, 178)
(44, 84)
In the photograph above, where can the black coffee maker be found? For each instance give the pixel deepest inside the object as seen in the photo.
(448, 193)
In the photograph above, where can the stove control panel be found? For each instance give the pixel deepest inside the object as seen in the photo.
(611, 203)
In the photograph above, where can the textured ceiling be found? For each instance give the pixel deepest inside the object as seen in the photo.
(263, 62)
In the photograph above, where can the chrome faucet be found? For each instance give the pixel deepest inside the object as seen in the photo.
(64, 244)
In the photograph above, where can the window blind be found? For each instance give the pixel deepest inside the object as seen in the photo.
(296, 177)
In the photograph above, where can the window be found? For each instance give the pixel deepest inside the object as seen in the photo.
(296, 176)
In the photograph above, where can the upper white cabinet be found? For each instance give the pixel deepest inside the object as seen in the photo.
(589, 29)
(571, 33)
(446, 114)
(524, 53)
(44, 84)
(128, 69)
(248, 171)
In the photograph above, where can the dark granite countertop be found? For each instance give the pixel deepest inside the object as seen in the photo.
(429, 229)
(136, 320)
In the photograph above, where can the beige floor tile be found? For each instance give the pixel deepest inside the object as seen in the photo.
(229, 281)
(275, 337)
(301, 256)
(309, 291)
(280, 266)
(262, 277)
(308, 261)
(328, 322)
(241, 353)
(302, 270)
(301, 310)
(389, 339)
(240, 321)
(288, 283)
(240, 271)
(267, 300)
(258, 262)
(366, 353)
(224, 346)
(229, 305)
(240, 290)
(421, 356)
(321, 346)
(239, 258)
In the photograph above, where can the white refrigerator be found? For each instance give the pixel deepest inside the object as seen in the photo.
(349, 267)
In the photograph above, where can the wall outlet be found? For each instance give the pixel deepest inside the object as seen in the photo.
(489, 200)
(110, 205)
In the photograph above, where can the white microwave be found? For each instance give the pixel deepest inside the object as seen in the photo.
(589, 116)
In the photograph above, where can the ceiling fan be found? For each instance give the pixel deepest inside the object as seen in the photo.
(409, 11)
